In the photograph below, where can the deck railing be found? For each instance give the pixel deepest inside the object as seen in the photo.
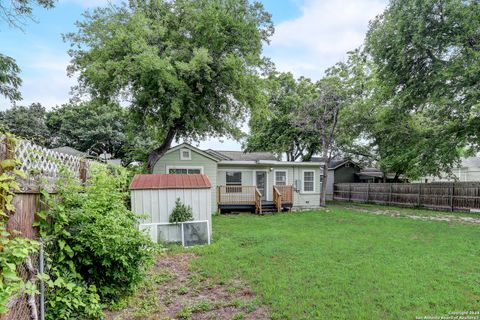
(236, 194)
(258, 201)
(251, 195)
(286, 192)
(277, 198)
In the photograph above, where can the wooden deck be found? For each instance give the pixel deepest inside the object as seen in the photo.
(249, 198)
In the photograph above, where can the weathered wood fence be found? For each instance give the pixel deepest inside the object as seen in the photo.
(457, 196)
(41, 167)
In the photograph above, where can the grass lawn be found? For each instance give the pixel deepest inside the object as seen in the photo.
(347, 264)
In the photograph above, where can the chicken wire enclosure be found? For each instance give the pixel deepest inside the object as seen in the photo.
(187, 233)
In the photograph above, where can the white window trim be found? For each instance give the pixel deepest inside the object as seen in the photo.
(189, 154)
(303, 181)
(275, 176)
(167, 169)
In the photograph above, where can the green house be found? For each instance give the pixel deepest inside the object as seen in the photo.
(256, 181)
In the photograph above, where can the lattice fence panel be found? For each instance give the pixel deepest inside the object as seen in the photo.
(45, 162)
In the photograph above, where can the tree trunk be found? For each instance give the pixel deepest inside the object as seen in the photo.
(323, 191)
(160, 151)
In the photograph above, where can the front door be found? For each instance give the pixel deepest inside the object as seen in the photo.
(261, 182)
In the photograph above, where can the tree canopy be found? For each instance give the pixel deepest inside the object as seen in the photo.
(425, 89)
(28, 122)
(272, 128)
(188, 68)
(92, 127)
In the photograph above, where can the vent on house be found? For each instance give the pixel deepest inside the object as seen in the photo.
(185, 154)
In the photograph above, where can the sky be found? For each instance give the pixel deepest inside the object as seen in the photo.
(310, 36)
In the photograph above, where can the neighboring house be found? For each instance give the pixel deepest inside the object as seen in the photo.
(339, 171)
(104, 157)
(468, 170)
(71, 151)
(375, 175)
(236, 176)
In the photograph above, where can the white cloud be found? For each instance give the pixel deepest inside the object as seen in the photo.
(44, 78)
(322, 35)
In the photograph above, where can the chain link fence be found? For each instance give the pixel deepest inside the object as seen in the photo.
(25, 306)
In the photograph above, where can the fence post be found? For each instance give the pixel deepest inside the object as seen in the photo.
(418, 194)
(368, 191)
(41, 269)
(452, 190)
(83, 171)
(349, 192)
(390, 195)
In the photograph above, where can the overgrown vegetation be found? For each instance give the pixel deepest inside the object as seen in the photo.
(180, 213)
(14, 248)
(347, 264)
(95, 254)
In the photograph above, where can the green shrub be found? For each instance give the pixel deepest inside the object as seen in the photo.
(93, 241)
(181, 212)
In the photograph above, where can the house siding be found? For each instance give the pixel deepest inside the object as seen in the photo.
(209, 166)
(216, 172)
(301, 199)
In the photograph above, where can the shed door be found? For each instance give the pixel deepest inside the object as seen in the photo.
(261, 181)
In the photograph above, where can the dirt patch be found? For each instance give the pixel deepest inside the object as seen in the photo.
(437, 217)
(175, 291)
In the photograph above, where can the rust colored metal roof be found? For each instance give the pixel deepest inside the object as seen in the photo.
(170, 181)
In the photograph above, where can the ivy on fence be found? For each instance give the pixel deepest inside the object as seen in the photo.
(14, 249)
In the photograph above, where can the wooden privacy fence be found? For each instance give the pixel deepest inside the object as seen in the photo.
(41, 166)
(457, 196)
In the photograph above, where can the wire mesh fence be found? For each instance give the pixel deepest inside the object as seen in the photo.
(25, 306)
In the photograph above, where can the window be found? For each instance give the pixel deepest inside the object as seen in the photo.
(308, 181)
(185, 154)
(280, 178)
(184, 170)
(233, 178)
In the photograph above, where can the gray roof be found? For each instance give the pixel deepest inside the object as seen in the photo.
(241, 156)
(333, 163)
(71, 151)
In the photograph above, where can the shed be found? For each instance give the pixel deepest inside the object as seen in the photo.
(154, 196)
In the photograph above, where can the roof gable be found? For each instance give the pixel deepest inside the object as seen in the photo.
(242, 156)
(194, 149)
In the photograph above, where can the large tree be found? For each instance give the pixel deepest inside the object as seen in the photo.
(320, 117)
(188, 68)
(426, 64)
(271, 127)
(27, 122)
(92, 127)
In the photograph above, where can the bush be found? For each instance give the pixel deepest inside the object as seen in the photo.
(93, 244)
(181, 212)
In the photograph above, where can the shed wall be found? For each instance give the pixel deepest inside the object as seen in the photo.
(158, 204)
